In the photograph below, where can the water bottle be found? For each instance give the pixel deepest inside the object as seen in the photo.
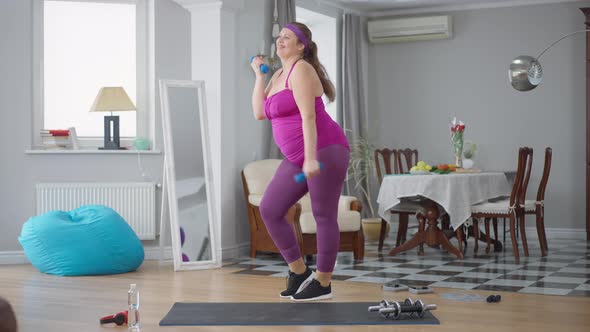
(133, 309)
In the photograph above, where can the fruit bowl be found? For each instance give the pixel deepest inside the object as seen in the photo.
(420, 172)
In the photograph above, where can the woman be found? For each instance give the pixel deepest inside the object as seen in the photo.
(307, 136)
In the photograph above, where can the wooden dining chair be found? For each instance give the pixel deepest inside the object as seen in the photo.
(392, 162)
(406, 159)
(520, 211)
(506, 208)
(537, 207)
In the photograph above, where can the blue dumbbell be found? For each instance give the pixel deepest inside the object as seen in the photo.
(301, 176)
(263, 68)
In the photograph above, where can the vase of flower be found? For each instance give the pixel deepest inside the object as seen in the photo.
(457, 129)
(468, 155)
(468, 163)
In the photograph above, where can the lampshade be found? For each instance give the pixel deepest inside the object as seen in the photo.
(112, 99)
(525, 73)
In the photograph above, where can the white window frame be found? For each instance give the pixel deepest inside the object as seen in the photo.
(145, 74)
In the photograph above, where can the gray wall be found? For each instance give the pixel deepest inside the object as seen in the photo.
(20, 172)
(411, 85)
(415, 87)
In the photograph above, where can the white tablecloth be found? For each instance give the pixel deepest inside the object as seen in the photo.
(455, 192)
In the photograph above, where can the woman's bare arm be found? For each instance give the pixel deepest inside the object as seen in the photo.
(304, 82)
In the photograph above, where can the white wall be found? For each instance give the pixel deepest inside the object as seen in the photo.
(415, 87)
(19, 172)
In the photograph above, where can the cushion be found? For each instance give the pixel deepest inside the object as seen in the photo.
(498, 207)
(259, 173)
(530, 205)
(89, 240)
(348, 221)
(344, 202)
(255, 199)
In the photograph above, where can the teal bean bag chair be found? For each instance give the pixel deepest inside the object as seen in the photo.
(89, 240)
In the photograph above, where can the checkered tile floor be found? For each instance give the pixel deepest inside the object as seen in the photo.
(565, 271)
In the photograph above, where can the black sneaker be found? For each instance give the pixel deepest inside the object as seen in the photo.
(296, 282)
(314, 291)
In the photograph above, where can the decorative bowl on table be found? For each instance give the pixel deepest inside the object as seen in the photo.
(420, 172)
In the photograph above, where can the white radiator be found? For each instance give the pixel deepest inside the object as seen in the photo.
(134, 201)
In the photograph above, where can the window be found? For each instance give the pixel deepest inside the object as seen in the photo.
(82, 46)
(323, 30)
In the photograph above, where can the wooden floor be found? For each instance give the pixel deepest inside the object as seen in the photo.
(50, 303)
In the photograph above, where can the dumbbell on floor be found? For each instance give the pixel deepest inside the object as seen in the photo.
(392, 309)
(494, 298)
(395, 309)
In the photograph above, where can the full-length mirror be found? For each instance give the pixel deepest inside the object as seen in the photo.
(188, 183)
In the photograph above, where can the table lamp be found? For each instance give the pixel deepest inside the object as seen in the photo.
(112, 99)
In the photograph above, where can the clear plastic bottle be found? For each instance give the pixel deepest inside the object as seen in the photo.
(133, 308)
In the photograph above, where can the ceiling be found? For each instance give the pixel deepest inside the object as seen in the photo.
(401, 5)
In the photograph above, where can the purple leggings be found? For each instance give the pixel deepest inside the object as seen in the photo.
(324, 190)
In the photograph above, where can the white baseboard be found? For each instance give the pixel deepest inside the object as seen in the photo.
(19, 257)
(243, 249)
(153, 253)
(238, 250)
(558, 233)
(13, 257)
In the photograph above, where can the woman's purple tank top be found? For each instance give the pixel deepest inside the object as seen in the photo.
(281, 109)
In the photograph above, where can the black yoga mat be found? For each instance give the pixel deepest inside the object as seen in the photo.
(310, 313)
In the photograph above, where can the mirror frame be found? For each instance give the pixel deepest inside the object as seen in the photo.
(170, 176)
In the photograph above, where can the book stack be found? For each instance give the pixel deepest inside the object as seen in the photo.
(55, 138)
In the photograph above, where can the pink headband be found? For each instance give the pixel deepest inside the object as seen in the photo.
(298, 33)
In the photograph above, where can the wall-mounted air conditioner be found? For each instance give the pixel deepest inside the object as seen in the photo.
(410, 29)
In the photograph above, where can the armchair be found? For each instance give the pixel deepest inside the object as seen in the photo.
(255, 178)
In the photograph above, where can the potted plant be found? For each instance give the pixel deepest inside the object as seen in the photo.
(361, 171)
(468, 154)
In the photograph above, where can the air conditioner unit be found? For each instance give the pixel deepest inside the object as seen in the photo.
(410, 29)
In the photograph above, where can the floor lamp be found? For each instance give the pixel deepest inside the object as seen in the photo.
(525, 71)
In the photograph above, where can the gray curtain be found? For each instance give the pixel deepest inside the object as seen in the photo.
(352, 110)
(283, 13)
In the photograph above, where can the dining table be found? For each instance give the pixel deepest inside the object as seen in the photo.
(435, 194)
